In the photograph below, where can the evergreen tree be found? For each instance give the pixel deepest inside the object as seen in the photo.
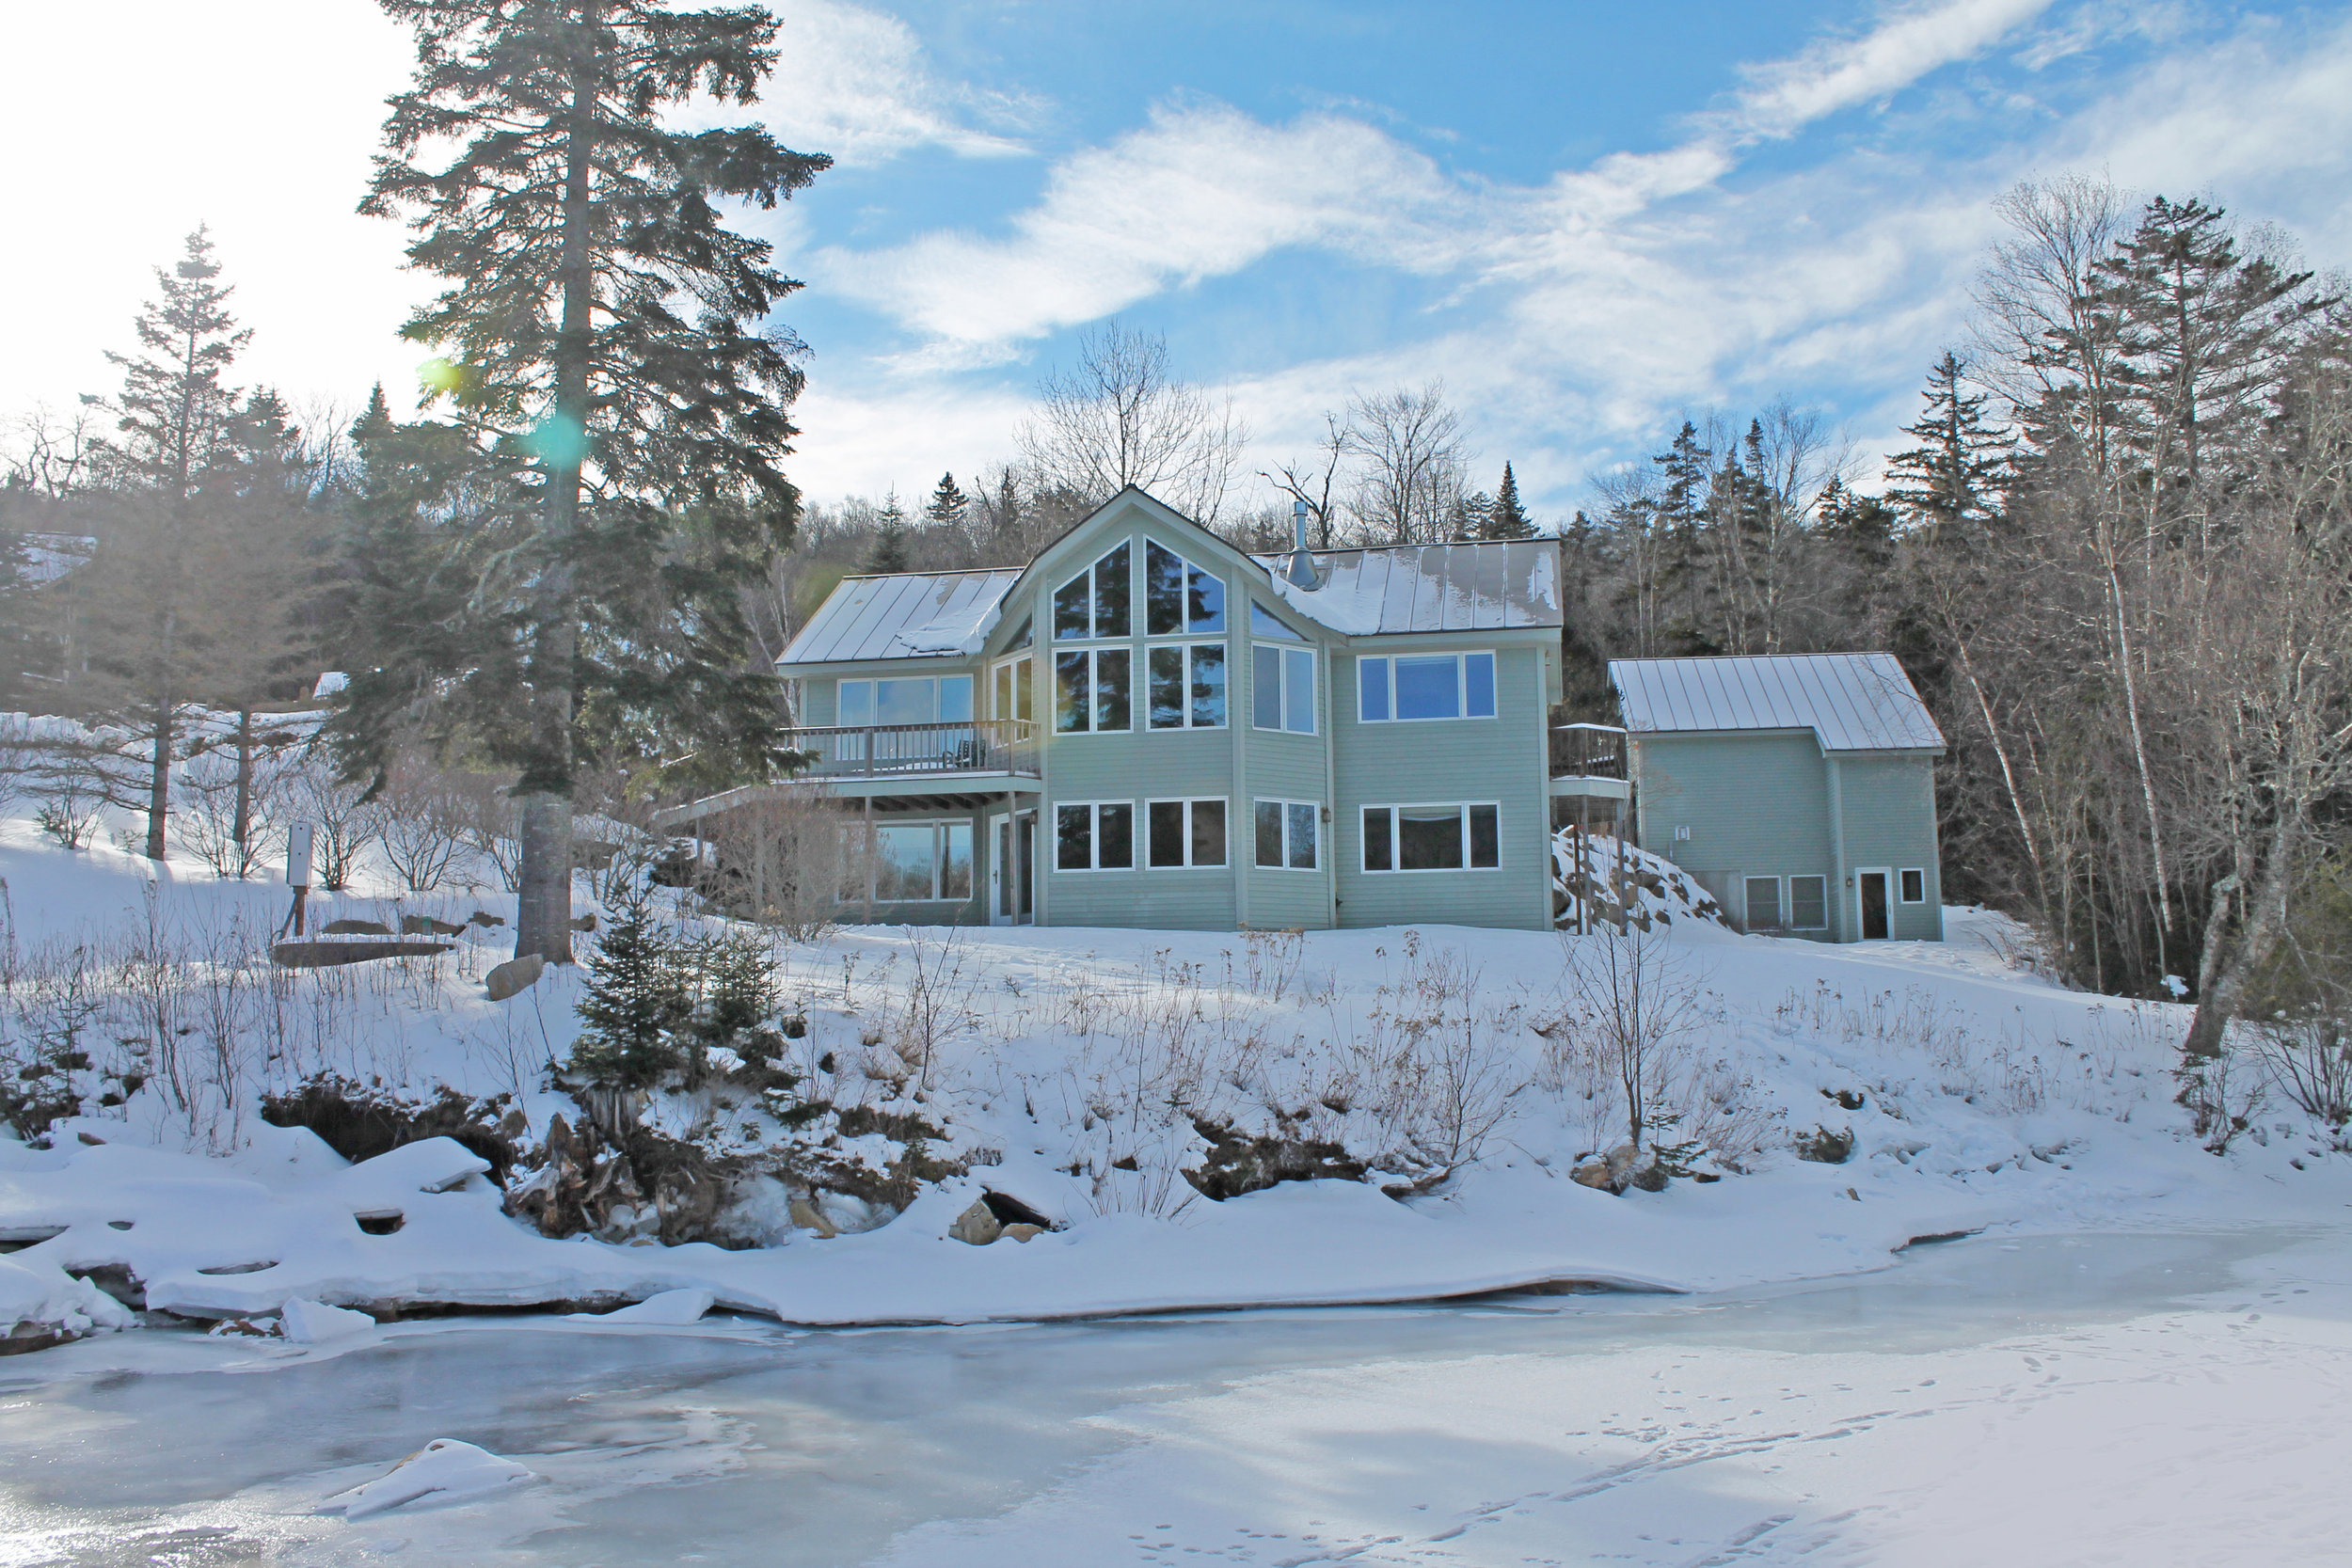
(1505, 518)
(608, 349)
(175, 416)
(637, 999)
(947, 507)
(1951, 482)
(888, 553)
(1680, 525)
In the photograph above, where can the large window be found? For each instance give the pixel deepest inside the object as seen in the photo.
(923, 700)
(1093, 603)
(1288, 834)
(908, 862)
(1015, 694)
(1433, 838)
(1283, 688)
(1179, 598)
(1094, 836)
(1189, 687)
(1425, 686)
(1090, 690)
(1186, 833)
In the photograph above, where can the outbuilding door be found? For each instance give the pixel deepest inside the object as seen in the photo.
(1874, 887)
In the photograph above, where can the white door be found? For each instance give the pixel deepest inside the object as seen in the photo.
(1874, 889)
(1000, 868)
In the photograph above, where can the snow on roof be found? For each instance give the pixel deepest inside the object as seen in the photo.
(1493, 586)
(1852, 702)
(908, 615)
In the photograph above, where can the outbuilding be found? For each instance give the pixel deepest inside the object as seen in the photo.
(1798, 789)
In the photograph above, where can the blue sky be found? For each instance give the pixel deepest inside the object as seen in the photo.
(1585, 219)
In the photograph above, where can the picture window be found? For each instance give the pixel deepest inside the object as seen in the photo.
(1412, 686)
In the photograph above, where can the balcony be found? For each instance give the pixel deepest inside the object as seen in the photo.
(1589, 760)
(843, 753)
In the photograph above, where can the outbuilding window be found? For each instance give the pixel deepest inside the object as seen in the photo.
(1914, 886)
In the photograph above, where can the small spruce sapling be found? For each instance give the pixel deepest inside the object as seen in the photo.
(638, 1000)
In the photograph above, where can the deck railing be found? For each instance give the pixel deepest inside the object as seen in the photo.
(1587, 752)
(888, 750)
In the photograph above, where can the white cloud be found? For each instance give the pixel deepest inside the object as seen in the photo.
(853, 82)
(1783, 96)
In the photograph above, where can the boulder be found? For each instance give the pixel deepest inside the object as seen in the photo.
(513, 976)
(809, 1217)
(585, 923)
(977, 1225)
(1023, 1232)
(1592, 1173)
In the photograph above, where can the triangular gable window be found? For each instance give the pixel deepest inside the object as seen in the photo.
(1265, 625)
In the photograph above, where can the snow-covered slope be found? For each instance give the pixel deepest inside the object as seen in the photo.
(1819, 1108)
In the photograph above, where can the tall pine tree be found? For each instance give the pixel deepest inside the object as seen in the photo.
(1506, 518)
(606, 345)
(1951, 482)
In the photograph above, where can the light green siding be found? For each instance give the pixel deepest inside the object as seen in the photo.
(1727, 806)
(1432, 762)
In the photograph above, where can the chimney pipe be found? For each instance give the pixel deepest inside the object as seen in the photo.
(1302, 568)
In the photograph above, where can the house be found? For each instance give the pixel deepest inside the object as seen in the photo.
(1147, 727)
(1799, 790)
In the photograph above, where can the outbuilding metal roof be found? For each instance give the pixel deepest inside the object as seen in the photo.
(1852, 701)
(1417, 588)
(910, 615)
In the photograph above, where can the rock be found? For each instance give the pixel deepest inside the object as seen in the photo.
(585, 923)
(484, 919)
(1622, 1159)
(809, 1217)
(425, 926)
(1592, 1173)
(1827, 1146)
(1240, 1163)
(1650, 1178)
(1010, 1211)
(513, 976)
(978, 1225)
(355, 929)
(666, 1309)
(312, 1322)
(1020, 1232)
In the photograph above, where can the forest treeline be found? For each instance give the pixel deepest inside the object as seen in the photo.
(2115, 558)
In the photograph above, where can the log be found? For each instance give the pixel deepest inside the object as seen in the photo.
(327, 954)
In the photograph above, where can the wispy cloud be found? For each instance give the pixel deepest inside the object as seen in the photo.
(854, 82)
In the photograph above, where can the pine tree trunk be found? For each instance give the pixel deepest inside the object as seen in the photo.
(242, 828)
(543, 921)
(159, 771)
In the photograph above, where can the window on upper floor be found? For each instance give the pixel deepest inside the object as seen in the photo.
(1263, 623)
(905, 699)
(1090, 690)
(1015, 689)
(1189, 687)
(1406, 687)
(1094, 604)
(1180, 598)
(1283, 688)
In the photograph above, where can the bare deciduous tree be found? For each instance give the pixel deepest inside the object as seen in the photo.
(1411, 454)
(1119, 416)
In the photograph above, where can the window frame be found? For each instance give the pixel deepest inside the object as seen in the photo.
(1094, 810)
(1006, 674)
(1902, 884)
(1462, 810)
(1283, 850)
(942, 831)
(1188, 834)
(1188, 648)
(1094, 658)
(1088, 574)
(1282, 653)
(1780, 904)
(1788, 900)
(1461, 658)
(1190, 569)
(872, 687)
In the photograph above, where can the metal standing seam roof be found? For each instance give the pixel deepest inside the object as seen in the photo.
(1852, 702)
(1500, 585)
(910, 615)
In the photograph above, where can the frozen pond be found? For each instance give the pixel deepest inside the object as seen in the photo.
(2135, 1398)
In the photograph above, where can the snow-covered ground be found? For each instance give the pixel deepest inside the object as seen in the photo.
(1069, 1069)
